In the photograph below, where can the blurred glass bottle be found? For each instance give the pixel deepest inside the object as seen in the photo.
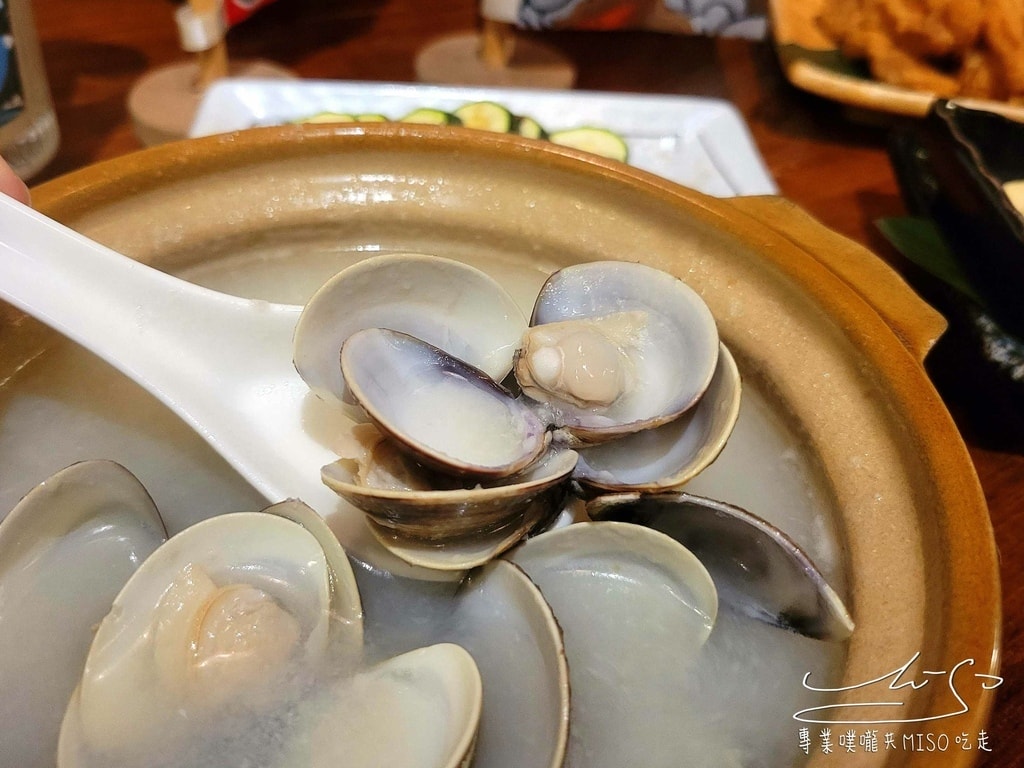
(28, 125)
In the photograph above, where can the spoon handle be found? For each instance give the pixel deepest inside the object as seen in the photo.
(222, 363)
(146, 323)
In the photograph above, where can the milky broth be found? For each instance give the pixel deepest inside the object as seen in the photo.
(734, 708)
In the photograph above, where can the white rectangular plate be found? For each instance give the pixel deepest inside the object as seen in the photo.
(698, 142)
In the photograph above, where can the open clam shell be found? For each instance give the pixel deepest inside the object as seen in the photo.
(645, 337)
(418, 710)
(503, 620)
(445, 412)
(66, 550)
(670, 455)
(447, 303)
(461, 554)
(617, 591)
(458, 527)
(346, 606)
(218, 620)
(757, 568)
(499, 615)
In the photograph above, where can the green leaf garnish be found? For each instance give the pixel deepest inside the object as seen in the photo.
(922, 243)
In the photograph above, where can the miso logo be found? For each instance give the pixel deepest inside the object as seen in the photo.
(903, 680)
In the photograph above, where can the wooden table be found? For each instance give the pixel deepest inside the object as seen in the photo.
(834, 166)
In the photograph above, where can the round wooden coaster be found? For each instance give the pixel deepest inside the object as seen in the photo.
(163, 102)
(456, 60)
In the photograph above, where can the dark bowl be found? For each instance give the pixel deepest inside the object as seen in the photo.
(951, 169)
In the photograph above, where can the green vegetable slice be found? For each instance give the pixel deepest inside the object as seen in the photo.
(491, 116)
(599, 141)
(485, 116)
(528, 127)
(431, 117)
(327, 117)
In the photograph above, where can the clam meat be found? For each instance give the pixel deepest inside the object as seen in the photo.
(249, 626)
(625, 363)
(217, 621)
(616, 347)
(670, 455)
(616, 350)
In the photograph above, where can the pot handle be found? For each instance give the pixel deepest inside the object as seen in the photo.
(916, 323)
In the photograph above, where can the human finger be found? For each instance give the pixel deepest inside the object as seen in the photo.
(11, 185)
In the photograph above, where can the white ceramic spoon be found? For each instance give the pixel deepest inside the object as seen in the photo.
(222, 363)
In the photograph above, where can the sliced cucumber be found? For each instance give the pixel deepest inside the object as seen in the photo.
(431, 117)
(599, 141)
(528, 127)
(485, 116)
(327, 117)
(491, 116)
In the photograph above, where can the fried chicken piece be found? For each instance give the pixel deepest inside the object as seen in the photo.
(932, 28)
(1004, 33)
(847, 23)
(965, 20)
(894, 65)
(945, 47)
(981, 76)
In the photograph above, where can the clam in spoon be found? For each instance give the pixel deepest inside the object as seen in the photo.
(221, 363)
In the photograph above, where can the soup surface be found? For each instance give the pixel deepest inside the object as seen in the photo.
(734, 708)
